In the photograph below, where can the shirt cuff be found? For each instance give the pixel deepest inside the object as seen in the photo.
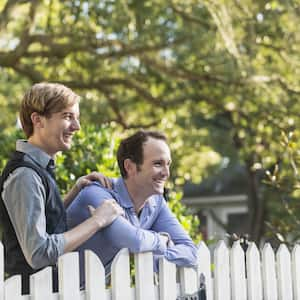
(162, 245)
(61, 242)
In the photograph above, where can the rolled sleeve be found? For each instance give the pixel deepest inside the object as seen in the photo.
(24, 197)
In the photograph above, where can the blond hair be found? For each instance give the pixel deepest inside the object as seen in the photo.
(45, 99)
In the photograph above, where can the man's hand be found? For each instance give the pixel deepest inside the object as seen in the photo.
(94, 176)
(106, 213)
(166, 239)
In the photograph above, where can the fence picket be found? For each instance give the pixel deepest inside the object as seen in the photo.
(144, 286)
(204, 267)
(41, 285)
(1, 271)
(284, 270)
(273, 277)
(120, 276)
(68, 276)
(296, 271)
(167, 280)
(269, 273)
(222, 281)
(13, 288)
(237, 271)
(94, 277)
(188, 280)
(254, 279)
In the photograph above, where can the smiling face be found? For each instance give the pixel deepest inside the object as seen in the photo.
(151, 176)
(53, 134)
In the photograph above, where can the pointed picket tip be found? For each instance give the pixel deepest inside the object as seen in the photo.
(144, 275)
(252, 251)
(237, 272)
(254, 276)
(120, 276)
(296, 271)
(41, 284)
(94, 276)
(202, 245)
(284, 271)
(68, 276)
(222, 289)
(13, 288)
(167, 280)
(236, 247)
(267, 247)
(283, 250)
(221, 245)
(204, 268)
(269, 273)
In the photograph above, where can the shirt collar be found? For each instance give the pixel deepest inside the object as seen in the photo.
(121, 190)
(35, 153)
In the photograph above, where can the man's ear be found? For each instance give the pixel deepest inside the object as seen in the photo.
(129, 166)
(37, 120)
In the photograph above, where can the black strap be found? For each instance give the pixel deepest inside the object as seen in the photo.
(21, 163)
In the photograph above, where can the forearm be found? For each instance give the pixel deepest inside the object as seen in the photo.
(101, 217)
(184, 255)
(81, 233)
(122, 234)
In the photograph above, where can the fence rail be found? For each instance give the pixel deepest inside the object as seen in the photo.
(228, 274)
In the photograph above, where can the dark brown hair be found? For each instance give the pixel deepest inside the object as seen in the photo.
(132, 148)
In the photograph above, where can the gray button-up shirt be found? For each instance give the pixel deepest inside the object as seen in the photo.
(25, 197)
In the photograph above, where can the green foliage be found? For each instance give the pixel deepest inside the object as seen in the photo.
(94, 149)
(220, 77)
(284, 184)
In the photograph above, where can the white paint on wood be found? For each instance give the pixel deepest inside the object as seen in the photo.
(237, 271)
(222, 280)
(269, 273)
(266, 278)
(254, 278)
(296, 271)
(68, 276)
(204, 267)
(12, 287)
(94, 277)
(284, 271)
(144, 276)
(120, 276)
(167, 280)
(41, 285)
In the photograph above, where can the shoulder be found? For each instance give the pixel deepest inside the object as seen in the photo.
(94, 194)
(24, 175)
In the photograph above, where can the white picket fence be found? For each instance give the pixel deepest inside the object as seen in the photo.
(264, 276)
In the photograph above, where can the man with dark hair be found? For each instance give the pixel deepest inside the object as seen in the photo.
(32, 213)
(144, 160)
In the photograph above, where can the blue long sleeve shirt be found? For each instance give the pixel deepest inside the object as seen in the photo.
(138, 234)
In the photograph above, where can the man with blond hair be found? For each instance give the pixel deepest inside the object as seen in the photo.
(33, 214)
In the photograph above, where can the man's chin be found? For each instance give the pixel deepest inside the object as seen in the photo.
(159, 191)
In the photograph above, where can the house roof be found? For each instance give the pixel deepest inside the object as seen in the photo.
(232, 180)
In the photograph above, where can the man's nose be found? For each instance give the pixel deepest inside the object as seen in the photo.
(166, 171)
(76, 124)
